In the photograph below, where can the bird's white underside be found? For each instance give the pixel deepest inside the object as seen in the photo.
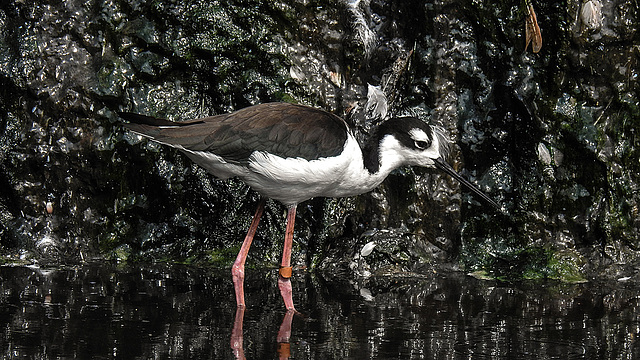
(268, 174)
(301, 179)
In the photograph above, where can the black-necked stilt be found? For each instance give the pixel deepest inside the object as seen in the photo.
(292, 153)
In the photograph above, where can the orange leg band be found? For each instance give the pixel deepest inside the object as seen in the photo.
(285, 271)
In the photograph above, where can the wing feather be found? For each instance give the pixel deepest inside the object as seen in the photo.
(286, 130)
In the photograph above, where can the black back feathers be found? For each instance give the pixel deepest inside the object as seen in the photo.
(282, 129)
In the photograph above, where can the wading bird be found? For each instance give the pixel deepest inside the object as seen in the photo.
(292, 153)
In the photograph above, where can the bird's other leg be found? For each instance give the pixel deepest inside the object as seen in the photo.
(237, 270)
(284, 279)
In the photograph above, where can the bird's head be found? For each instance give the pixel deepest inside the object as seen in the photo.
(409, 141)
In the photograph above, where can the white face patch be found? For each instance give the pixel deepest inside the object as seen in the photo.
(394, 154)
(418, 135)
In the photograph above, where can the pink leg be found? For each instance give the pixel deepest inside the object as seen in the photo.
(237, 270)
(284, 280)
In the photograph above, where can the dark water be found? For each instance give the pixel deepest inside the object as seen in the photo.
(102, 311)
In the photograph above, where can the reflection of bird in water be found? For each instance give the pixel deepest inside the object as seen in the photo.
(292, 153)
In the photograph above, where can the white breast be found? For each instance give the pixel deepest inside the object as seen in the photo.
(293, 180)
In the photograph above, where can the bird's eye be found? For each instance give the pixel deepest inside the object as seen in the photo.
(421, 144)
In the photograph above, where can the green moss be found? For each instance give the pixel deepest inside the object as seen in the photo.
(14, 260)
(565, 266)
(111, 240)
(481, 275)
(121, 253)
(191, 260)
(512, 263)
(223, 257)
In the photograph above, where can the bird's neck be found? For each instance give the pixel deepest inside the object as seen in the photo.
(380, 155)
(379, 159)
(362, 172)
(371, 154)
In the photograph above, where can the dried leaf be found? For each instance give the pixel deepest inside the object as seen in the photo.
(532, 31)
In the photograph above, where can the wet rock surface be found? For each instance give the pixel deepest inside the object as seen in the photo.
(551, 136)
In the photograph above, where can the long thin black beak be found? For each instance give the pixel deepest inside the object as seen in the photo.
(444, 166)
